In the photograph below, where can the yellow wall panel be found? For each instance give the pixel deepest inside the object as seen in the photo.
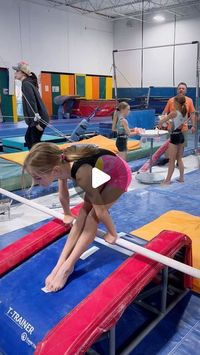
(88, 87)
(14, 108)
(64, 84)
(109, 88)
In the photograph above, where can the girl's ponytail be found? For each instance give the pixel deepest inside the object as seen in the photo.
(184, 110)
(181, 101)
(43, 157)
(79, 151)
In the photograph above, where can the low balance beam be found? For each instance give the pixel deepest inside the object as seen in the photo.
(32, 204)
(162, 259)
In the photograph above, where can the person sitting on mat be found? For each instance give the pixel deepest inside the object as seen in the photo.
(46, 161)
(177, 119)
(120, 124)
(33, 106)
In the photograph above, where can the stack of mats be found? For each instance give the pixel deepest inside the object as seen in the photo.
(10, 174)
(13, 144)
(100, 141)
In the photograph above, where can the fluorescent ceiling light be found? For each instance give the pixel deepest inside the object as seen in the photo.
(159, 18)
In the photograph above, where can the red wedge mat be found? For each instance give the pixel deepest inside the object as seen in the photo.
(23, 248)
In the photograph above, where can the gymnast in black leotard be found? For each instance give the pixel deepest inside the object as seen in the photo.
(46, 162)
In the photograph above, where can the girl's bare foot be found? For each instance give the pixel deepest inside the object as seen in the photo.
(165, 182)
(109, 238)
(180, 180)
(60, 279)
(52, 275)
(50, 278)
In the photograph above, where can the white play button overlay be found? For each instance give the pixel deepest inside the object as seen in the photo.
(99, 178)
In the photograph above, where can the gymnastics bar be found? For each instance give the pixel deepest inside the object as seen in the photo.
(32, 204)
(186, 269)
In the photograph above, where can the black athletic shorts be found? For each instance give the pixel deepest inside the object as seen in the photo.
(121, 143)
(177, 137)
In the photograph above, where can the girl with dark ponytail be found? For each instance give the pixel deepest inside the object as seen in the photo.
(177, 119)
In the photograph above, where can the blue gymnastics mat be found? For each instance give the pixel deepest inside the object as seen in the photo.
(24, 308)
(17, 144)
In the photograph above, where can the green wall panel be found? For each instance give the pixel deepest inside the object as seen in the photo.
(80, 85)
(102, 87)
(55, 88)
(6, 100)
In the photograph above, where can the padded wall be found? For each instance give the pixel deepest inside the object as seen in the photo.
(90, 87)
(47, 91)
(8, 102)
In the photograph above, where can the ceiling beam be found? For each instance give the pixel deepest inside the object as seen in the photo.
(98, 11)
(169, 7)
(135, 15)
(73, 2)
(111, 7)
(67, 4)
(70, 5)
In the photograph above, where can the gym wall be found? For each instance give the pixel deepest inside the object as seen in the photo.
(53, 41)
(158, 64)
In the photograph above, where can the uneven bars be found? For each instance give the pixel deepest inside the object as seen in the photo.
(162, 259)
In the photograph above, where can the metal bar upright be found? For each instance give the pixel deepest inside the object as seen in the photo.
(112, 341)
(164, 290)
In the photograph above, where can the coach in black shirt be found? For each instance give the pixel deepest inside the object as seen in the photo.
(35, 113)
